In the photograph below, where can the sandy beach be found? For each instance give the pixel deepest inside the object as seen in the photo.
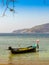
(28, 62)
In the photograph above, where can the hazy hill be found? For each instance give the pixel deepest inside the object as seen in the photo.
(44, 28)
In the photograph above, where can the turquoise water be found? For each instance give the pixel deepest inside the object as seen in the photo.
(24, 41)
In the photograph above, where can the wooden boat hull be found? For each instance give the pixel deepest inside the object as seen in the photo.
(23, 50)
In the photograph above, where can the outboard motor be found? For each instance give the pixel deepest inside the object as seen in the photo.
(37, 41)
(37, 46)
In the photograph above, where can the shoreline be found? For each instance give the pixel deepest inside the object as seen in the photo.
(27, 62)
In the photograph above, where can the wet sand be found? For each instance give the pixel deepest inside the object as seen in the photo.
(24, 61)
(28, 62)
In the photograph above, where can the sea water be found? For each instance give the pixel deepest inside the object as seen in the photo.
(23, 40)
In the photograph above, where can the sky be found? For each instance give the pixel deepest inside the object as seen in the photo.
(28, 13)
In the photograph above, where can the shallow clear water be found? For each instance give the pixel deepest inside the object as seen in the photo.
(24, 41)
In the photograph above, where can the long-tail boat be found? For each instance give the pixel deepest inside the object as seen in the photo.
(23, 50)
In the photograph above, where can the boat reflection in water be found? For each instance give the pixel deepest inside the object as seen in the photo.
(18, 54)
(18, 59)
